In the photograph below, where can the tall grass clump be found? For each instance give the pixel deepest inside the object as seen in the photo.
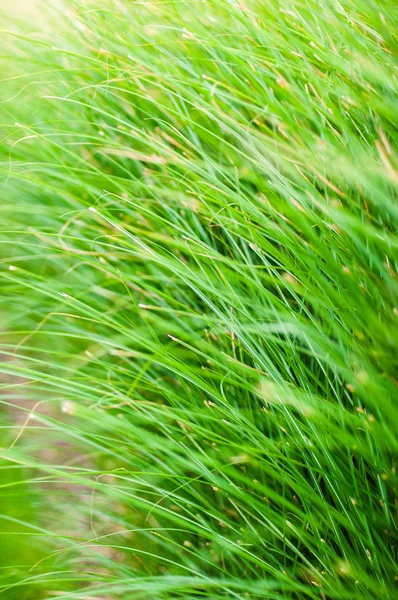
(199, 300)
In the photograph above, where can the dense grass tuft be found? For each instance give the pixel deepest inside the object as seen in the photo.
(199, 300)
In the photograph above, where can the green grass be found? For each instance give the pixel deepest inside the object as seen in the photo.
(199, 300)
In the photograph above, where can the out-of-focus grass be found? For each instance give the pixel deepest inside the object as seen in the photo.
(29, 11)
(199, 305)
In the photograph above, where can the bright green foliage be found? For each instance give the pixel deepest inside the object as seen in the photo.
(199, 300)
